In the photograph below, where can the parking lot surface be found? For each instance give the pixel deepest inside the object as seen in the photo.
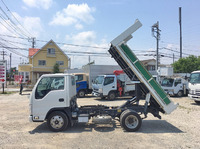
(180, 129)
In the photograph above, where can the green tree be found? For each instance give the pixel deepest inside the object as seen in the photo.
(56, 68)
(187, 65)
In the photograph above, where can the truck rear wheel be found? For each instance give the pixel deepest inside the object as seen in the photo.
(57, 121)
(130, 120)
(81, 93)
(111, 96)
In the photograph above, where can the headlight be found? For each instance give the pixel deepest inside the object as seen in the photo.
(171, 90)
(100, 90)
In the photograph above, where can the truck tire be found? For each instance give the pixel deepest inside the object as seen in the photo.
(179, 94)
(130, 120)
(57, 121)
(197, 102)
(81, 94)
(111, 96)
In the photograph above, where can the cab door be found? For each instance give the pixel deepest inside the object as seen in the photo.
(49, 93)
(109, 84)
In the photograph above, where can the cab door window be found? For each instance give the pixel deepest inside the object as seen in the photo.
(178, 81)
(48, 84)
(108, 80)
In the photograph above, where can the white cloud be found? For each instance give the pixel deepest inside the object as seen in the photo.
(85, 38)
(79, 26)
(74, 14)
(31, 24)
(88, 39)
(45, 4)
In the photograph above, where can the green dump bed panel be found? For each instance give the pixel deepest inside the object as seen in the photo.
(146, 75)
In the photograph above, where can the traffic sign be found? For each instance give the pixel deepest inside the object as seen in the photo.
(3, 71)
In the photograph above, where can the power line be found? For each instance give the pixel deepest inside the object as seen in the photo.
(76, 45)
(11, 26)
(15, 18)
(11, 50)
(14, 24)
(175, 51)
(14, 42)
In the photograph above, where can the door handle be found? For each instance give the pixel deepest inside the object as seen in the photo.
(61, 100)
(113, 86)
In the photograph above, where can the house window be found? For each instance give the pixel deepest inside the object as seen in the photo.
(41, 62)
(151, 68)
(51, 51)
(60, 62)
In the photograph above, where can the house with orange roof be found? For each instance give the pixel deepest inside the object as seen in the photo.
(42, 61)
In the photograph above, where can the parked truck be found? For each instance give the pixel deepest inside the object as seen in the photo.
(194, 86)
(175, 86)
(90, 72)
(59, 107)
(116, 85)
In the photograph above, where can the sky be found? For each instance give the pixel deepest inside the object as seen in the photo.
(86, 27)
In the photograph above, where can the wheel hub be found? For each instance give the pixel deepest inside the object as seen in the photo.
(57, 122)
(131, 121)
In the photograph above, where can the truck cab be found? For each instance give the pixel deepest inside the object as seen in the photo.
(82, 87)
(105, 85)
(51, 92)
(175, 86)
(112, 86)
(194, 86)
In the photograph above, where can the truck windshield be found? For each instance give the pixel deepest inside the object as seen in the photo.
(168, 82)
(78, 78)
(99, 80)
(195, 78)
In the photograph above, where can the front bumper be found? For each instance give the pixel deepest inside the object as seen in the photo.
(170, 93)
(30, 118)
(194, 97)
(97, 94)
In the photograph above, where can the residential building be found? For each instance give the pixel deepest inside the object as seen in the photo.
(42, 61)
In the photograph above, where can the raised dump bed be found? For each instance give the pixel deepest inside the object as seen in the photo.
(131, 65)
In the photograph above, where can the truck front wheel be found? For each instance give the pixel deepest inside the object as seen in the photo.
(57, 121)
(180, 93)
(197, 102)
(111, 96)
(81, 94)
(130, 120)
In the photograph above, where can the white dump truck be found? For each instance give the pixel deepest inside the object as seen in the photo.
(57, 104)
(194, 86)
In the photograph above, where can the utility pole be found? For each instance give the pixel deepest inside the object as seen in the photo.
(3, 59)
(180, 23)
(88, 58)
(155, 29)
(33, 42)
(173, 58)
(10, 67)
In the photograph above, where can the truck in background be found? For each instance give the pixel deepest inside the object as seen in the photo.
(90, 72)
(172, 84)
(194, 86)
(175, 86)
(112, 86)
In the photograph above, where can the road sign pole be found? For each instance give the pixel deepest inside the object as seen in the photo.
(3, 87)
(3, 73)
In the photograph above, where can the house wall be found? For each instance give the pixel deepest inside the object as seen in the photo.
(50, 59)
